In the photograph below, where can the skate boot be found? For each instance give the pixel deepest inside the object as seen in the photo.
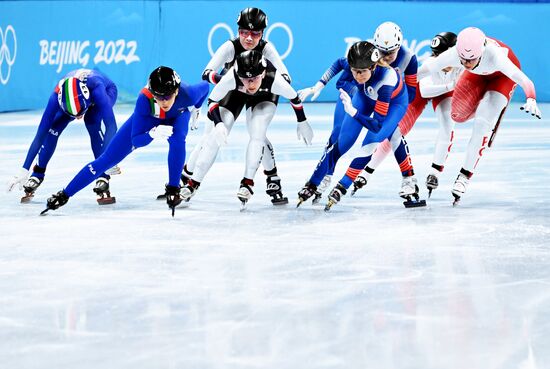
(273, 189)
(459, 187)
(173, 197)
(359, 183)
(431, 183)
(409, 191)
(325, 183)
(189, 189)
(335, 196)
(56, 201)
(306, 192)
(184, 178)
(245, 192)
(30, 187)
(102, 191)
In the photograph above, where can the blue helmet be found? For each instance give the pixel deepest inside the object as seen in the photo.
(73, 96)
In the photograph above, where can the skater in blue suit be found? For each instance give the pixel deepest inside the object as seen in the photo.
(349, 82)
(384, 97)
(161, 112)
(82, 93)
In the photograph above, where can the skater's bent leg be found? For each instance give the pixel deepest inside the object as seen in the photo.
(258, 119)
(118, 149)
(486, 116)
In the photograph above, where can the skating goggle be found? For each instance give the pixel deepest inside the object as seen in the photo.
(163, 98)
(386, 53)
(250, 79)
(247, 32)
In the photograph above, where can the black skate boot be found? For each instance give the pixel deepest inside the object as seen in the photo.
(358, 184)
(184, 178)
(56, 201)
(335, 196)
(30, 187)
(273, 188)
(306, 192)
(102, 191)
(173, 197)
(245, 192)
(431, 183)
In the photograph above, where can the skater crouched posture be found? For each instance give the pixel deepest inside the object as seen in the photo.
(251, 23)
(252, 81)
(349, 82)
(384, 97)
(161, 112)
(82, 93)
(439, 88)
(482, 92)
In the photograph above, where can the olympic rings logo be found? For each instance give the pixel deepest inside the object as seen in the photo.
(5, 53)
(270, 29)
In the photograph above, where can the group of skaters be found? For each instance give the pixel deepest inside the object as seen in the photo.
(469, 76)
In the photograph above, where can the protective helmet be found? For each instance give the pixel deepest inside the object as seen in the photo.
(363, 55)
(250, 64)
(163, 81)
(73, 96)
(388, 37)
(252, 18)
(470, 43)
(442, 41)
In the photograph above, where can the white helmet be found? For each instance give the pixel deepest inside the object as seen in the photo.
(388, 37)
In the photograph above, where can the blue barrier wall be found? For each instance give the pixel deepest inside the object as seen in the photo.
(43, 40)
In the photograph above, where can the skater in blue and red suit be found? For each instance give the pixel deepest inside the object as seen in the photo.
(82, 93)
(347, 82)
(384, 97)
(161, 112)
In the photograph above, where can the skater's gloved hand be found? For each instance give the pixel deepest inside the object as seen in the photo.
(346, 100)
(315, 90)
(304, 132)
(162, 131)
(113, 171)
(220, 134)
(194, 118)
(19, 179)
(531, 107)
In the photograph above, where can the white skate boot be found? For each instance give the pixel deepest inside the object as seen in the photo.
(409, 191)
(325, 183)
(459, 187)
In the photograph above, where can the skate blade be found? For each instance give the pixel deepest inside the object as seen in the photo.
(300, 201)
(243, 206)
(278, 202)
(106, 200)
(27, 198)
(161, 196)
(456, 200)
(329, 205)
(43, 212)
(430, 192)
(414, 203)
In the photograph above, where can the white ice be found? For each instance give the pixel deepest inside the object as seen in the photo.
(368, 285)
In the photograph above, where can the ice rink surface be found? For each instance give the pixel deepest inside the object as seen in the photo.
(368, 285)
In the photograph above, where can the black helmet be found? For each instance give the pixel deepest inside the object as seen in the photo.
(250, 64)
(253, 19)
(163, 81)
(363, 55)
(442, 41)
